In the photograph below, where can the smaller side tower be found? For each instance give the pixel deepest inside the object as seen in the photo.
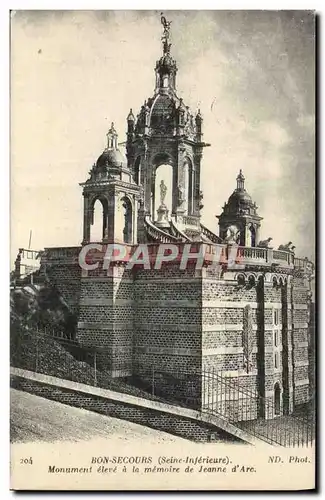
(112, 184)
(239, 220)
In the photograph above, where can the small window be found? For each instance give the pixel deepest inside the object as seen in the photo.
(276, 340)
(276, 360)
(165, 82)
(276, 316)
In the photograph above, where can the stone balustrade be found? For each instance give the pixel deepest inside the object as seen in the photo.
(190, 220)
(222, 252)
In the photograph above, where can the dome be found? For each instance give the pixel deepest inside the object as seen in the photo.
(240, 202)
(112, 162)
(111, 158)
(163, 114)
(240, 197)
(165, 62)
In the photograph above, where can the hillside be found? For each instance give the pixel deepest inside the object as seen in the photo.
(36, 308)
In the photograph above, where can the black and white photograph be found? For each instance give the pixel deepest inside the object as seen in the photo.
(162, 254)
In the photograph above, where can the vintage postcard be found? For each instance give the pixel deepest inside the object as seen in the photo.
(162, 287)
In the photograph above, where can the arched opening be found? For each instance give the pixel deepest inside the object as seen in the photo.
(241, 238)
(241, 280)
(277, 399)
(251, 281)
(98, 227)
(275, 282)
(162, 189)
(186, 174)
(137, 171)
(252, 236)
(124, 220)
(188, 186)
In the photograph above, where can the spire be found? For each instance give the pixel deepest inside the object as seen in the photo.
(130, 117)
(240, 181)
(166, 66)
(198, 122)
(112, 138)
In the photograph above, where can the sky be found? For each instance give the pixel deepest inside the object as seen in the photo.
(252, 74)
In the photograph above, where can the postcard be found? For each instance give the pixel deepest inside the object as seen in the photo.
(162, 286)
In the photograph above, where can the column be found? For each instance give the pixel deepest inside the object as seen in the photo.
(88, 213)
(261, 344)
(287, 366)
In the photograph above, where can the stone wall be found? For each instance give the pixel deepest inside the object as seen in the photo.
(66, 278)
(167, 327)
(106, 317)
(300, 325)
(187, 321)
(149, 414)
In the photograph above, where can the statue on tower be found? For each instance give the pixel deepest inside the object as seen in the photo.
(166, 24)
(166, 33)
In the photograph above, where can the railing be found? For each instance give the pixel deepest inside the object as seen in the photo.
(29, 254)
(207, 391)
(58, 356)
(215, 394)
(210, 235)
(252, 253)
(190, 220)
(243, 408)
(282, 256)
(59, 253)
(158, 234)
(182, 236)
(303, 264)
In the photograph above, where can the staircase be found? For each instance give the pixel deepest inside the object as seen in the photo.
(210, 235)
(174, 234)
(158, 234)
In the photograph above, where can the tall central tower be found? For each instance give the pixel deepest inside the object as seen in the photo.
(165, 132)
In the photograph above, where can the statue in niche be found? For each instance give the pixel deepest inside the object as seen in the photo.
(201, 200)
(180, 196)
(163, 192)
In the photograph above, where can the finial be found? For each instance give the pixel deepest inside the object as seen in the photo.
(240, 180)
(130, 117)
(112, 137)
(181, 105)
